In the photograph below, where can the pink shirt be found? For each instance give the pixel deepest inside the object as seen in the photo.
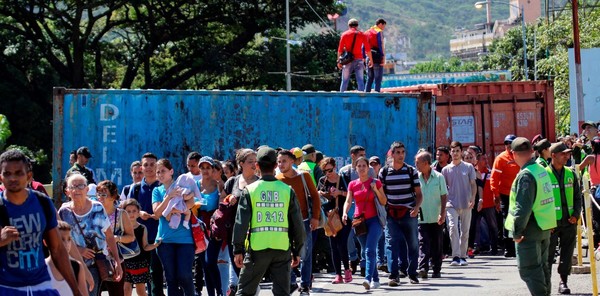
(364, 197)
(594, 170)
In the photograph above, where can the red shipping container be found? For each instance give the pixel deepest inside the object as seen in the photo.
(484, 113)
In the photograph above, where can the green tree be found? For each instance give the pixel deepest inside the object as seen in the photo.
(444, 65)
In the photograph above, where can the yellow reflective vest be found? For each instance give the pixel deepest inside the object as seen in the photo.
(269, 226)
(568, 181)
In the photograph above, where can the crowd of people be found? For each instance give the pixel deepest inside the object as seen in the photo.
(265, 213)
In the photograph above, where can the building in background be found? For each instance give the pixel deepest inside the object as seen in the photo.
(469, 44)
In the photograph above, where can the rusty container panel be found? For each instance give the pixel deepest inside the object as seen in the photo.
(484, 113)
(120, 125)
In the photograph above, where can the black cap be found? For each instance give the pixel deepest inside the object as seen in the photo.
(520, 144)
(541, 145)
(375, 159)
(309, 148)
(559, 147)
(590, 123)
(266, 155)
(85, 151)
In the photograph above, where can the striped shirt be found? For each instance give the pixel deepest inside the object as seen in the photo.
(399, 185)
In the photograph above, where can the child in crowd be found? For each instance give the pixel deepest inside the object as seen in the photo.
(58, 281)
(188, 185)
(137, 269)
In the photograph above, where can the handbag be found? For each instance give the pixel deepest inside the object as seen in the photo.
(199, 234)
(347, 57)
(359, 225)
(334, 223)
(126, 250)
(322, 219)
(106, 267)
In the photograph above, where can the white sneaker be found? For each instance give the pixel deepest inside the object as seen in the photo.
(375, 285)
(463, 262)
(366, 285)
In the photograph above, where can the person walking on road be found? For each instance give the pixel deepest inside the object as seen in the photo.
(460, 178)
(504, 172)
(530, 218)
(270, 219)
(567, 201)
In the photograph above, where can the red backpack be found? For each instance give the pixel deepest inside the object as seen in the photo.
(222, 220)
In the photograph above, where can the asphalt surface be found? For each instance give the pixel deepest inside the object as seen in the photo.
(485, 275)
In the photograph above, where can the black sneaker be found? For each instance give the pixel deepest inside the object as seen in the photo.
(304, 291)
(413, 279)
(293, 287)
(423, 273)
(362, 271)
(403, 274)
(563, 289)
(436, 275)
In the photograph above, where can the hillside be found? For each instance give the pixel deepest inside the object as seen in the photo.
(428, 23)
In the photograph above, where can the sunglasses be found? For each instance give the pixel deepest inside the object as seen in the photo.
(78, 186)
(327, 171)
(103, 195)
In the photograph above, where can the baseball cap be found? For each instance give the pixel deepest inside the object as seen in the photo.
(589, 122)
(298, 153)
(309, 148)
(509, 139)
(266, 155)
(520, 144)
(559, 147)
(374, 159)
(85, 151)
(207, 159)
(537, 138)
(353, 22)
(541, 145)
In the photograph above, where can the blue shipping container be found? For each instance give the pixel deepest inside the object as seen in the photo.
(120, 125)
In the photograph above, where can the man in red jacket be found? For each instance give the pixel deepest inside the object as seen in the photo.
(504, 172)
(353, 41)
(375, 38)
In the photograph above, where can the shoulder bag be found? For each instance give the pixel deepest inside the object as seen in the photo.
(334, 223)
(126, 250)
(381, 211)
(105, 265)
(322, 220)
(347, 57)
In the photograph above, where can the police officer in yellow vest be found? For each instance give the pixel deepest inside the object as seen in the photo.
(567, 201)
(543, 149)
(268, 233)
(530, 218)
(309, 164)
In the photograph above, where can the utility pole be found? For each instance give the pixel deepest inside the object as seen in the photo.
(577, 52)
(288, 71)
(524, 43)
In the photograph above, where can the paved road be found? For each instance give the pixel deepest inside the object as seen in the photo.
(485, 275)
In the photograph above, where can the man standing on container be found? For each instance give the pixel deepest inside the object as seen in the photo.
(567, 202)
(460, 178)
(352, 41)
(530, 217)
(375, 39)
(270, 241)
(504, 172)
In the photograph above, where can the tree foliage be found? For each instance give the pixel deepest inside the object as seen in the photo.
(549, 53)
(444, 65)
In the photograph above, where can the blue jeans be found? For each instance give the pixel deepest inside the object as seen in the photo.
(381, 255)
(368, 243)
(358, 67)
(177, 263)
(212, 275)
(306, 255)
(402, 231)
(374, 73)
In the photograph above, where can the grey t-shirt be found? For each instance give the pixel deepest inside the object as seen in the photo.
(458, 178)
